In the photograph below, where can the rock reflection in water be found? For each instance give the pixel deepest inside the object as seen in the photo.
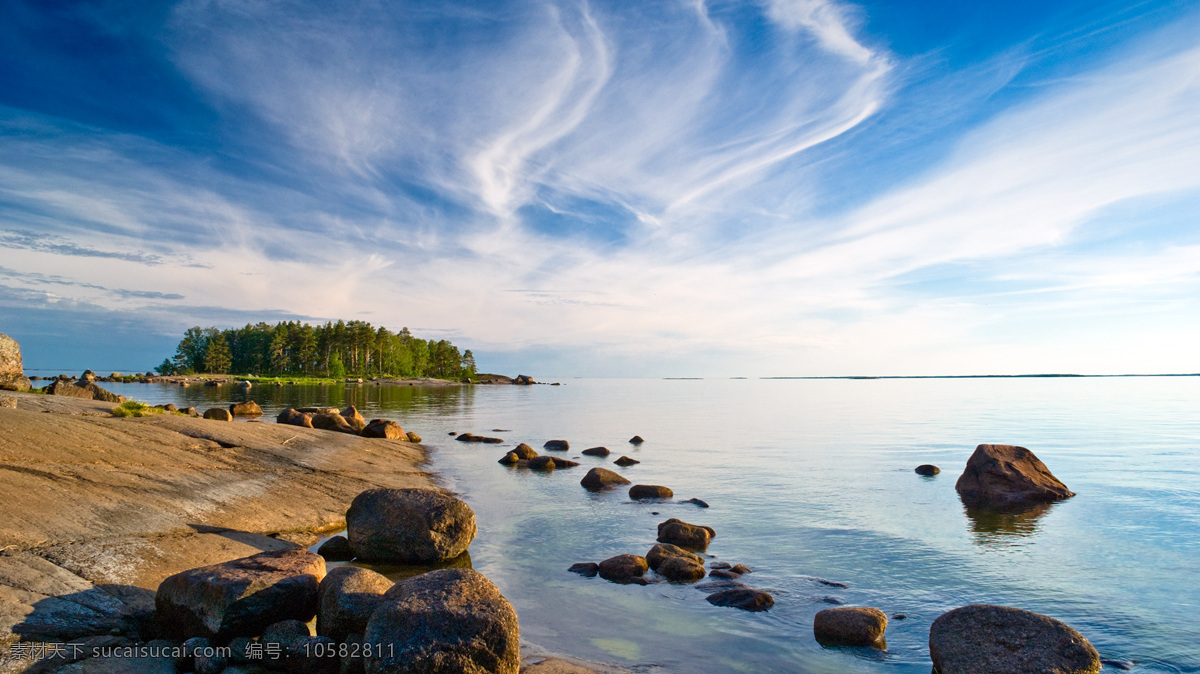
(1005, 526)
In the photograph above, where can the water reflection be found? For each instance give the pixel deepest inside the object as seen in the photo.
(1004, 526)
(398, 572)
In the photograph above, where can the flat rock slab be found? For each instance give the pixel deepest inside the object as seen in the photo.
(241, 597)
(985, 639)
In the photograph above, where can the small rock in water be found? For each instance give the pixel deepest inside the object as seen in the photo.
(509, 459)
(218, 414)
(696, 501)
(719, 585)
(542, 463)
(1123, 665)
(681, 569)
(1006, 475)
(636, 440)
(831, 583)
(600, 478)
(832, 600)
(927, 469)
(557, 445)
(851, 626)
(596, 451)
(691, 536)
(524, 451)
(412, 437)
(623, 568)
(720, 565)
(586, 569)
(740, 568)
(661, 552)
(246, 409)
(899, 616)
(501, 430)
(644, 491)
(724, 574)
(625, 461)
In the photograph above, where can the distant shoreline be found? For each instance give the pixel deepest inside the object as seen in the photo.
(986, 376)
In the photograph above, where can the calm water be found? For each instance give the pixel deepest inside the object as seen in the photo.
(813, 480)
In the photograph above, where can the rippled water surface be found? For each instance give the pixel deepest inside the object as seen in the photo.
(812, 480)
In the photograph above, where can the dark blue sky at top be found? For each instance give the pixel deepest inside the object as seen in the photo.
(128, 81)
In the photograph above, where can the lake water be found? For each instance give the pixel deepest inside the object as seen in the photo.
(813, 479)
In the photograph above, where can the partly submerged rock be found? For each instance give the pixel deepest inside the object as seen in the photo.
(745, 598)
(600, 478)
(1006, 476)
(218, 414)
(636, 440)
(625, 462)
(850, 626)
(1004, 640)
(241, 597)
(413, 437)
(444, 622)
(557, 445)
(690, 536)
(623, 568)
(332, 421)
(697, 502)
(585, 569)
(408, 526)
(681, 569)
(927, 469)
(596, 451)
(661, 552)
(524, 451)
(82, 389)
(246, 409)
(642, 491)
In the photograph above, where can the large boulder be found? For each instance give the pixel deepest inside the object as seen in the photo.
(12, 371)
(1003, 640)
(691, 536)
(246, 409)
(450, 621)
(1006, 476)
(601, 478)
(408, 526)
(347, 598)
(850, 626)
(383, 428)
(241, 597)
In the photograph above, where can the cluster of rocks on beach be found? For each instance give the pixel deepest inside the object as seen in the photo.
(73, 576)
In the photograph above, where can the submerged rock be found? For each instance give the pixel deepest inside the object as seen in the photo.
(850, 626)
(691, 536)
(408, 526)
(696, 501)
(600, 478)
(745, 598)
(1004, 640)
(636, 440)
(444, 622)
(1007, 475)
(724, 574)
(241, 597)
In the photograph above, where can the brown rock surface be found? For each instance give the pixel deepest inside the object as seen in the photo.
(850, 626)
(218, 414)
(661, 552)
(600, 478)
(448, 621)
(742, 597)
(408, 526)
(690, 536)
(1005, 476)
(347, 597)
(383, 428)
(246, 409)
(623, 568)
(240, 597)
(681, 570)
(985, 639)
(641, 491)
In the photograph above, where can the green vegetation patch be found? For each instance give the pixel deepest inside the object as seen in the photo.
(135, 408)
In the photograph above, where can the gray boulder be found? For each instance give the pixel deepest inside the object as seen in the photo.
(850, 626)
(1006, 476)
(348, 597)
(408, 526)
(12, 371)
(450, 621)
(241, 597)
(1003, 640)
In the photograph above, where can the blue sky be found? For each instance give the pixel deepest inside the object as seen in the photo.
(783, 187)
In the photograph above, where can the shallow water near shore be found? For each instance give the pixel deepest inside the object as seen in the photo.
(812, 480)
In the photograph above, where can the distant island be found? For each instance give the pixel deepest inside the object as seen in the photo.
(333, 350)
